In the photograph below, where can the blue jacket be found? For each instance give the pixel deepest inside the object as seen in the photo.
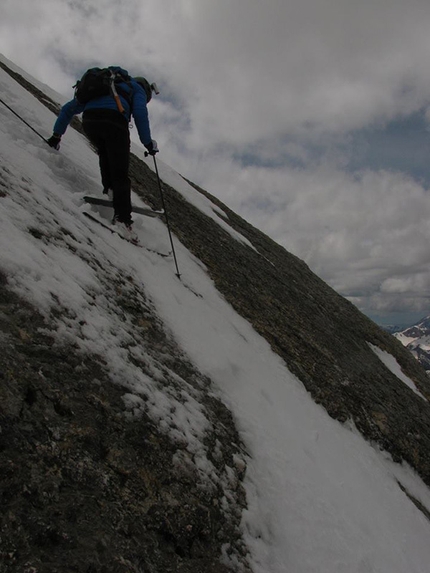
(138, 110)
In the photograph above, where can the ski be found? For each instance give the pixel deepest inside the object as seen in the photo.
(112, 229)
(147, 211)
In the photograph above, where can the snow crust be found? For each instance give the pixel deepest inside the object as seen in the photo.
(320, 498)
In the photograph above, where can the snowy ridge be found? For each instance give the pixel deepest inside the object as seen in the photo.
(47, 90)
(320, 498)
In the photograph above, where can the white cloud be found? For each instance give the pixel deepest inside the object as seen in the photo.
(248, 81)
(368, 237)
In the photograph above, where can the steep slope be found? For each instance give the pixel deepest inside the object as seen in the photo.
(132, 385)
(110, 438)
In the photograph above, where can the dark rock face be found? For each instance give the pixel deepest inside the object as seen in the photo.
(86, 487)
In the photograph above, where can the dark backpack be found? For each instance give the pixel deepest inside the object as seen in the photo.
(98, 82)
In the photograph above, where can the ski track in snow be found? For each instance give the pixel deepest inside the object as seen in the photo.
(320, 498)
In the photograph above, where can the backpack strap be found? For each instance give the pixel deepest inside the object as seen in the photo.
(117, 77)
(115, 93)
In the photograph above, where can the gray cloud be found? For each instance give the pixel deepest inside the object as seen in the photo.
(266, 104)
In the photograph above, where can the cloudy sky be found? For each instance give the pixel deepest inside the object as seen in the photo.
(310, 118)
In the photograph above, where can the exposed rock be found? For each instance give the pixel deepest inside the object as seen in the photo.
(88, 487)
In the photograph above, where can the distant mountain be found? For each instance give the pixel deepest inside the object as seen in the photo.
(391, 328)
(416, 338)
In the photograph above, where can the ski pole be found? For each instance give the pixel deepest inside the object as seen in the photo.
(23, 120)
(178, 274)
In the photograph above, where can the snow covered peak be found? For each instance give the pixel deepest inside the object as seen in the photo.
(416, 338)
(417, 330)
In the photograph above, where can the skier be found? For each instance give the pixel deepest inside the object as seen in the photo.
(105, 121)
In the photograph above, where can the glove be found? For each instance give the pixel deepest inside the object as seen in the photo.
(54, 141)
(152, 147)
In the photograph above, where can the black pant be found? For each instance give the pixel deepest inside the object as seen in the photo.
(108, 131)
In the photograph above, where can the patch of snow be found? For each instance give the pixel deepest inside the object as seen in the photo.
(392, 365)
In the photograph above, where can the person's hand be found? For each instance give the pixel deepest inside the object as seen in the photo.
(54, 141)
(152, 147)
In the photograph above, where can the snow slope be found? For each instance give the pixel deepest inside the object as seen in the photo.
(320, 498)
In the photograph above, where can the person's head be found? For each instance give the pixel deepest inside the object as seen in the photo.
(149, 88)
